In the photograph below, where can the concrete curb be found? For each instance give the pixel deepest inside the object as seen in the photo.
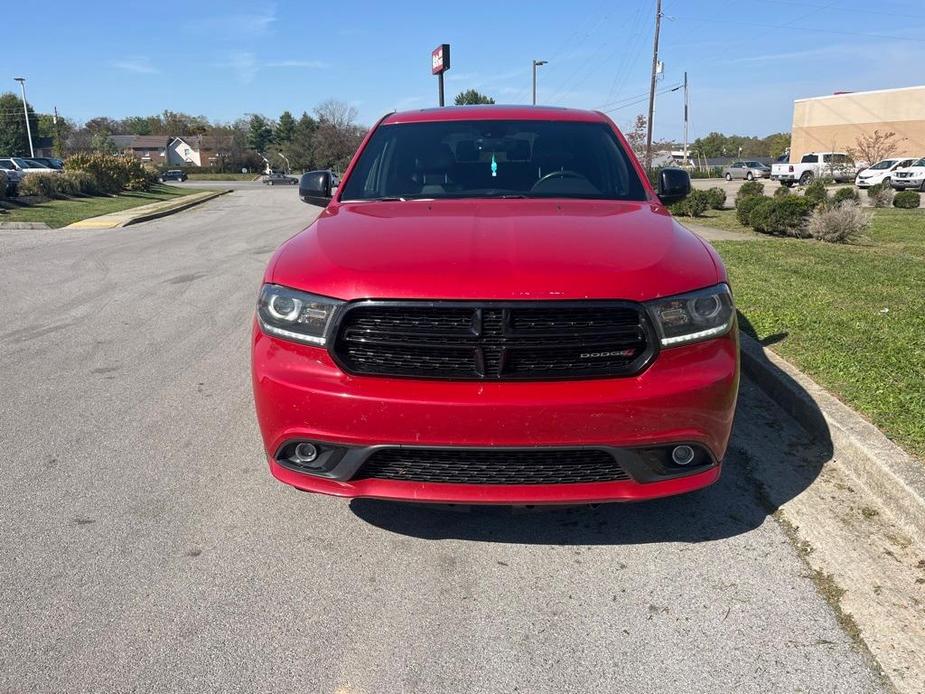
(23, 225)
(144, 213)
(876, 463)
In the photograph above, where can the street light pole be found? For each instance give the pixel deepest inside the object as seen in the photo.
(658, 24)
(536, 64)
(25, 110)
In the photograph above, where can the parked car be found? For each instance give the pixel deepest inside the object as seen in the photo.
(747, 170)
(881, 172)
(13, 176)
(173, 175)
(836, 165)
(495, 306)
(26, 166)
(48, 162)
(279, 179)
(910, 177)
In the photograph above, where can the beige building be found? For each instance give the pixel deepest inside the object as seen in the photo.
(833, 123)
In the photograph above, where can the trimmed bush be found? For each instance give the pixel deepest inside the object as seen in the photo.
(842, 223)
(785, 216)
(716, 198)
(782, 192)
(693, 205)
(42, 185)
(66, 186)
(749, 189)
(83, 183)
(112, 172)
(846, 194)
(745, 206)
(816, 192)
(907, 199)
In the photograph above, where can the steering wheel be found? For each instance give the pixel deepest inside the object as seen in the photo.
(558, 174)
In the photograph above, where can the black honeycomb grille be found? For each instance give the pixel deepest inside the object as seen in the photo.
(497, 466)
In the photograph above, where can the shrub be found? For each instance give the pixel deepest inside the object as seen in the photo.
(840, 224)
(83, 182)
(907, 199)
(882, 197)
(749, 189)
(693, 205)
(716, 198)
(845, 194)
(782, 192)
(112, 172)
(745, 206)
(42, 185)
(784, 215)
(816, 192)
(66, 186)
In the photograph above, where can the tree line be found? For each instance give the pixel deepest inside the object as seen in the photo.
(325, 138)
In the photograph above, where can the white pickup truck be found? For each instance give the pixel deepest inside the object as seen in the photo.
(837, 165)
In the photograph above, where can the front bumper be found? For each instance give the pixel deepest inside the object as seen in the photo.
(906, 183)
(687, 395)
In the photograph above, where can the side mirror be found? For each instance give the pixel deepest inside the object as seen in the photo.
(673, 185)
(315, 188)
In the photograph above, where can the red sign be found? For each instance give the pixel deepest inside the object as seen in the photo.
(440, 59)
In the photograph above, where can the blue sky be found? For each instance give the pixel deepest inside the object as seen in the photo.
(747, 60)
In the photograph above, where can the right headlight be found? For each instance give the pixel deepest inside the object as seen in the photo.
(686, 318)
(294, 315)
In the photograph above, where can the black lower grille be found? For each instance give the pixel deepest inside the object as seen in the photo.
(493, 340)
(493, 466)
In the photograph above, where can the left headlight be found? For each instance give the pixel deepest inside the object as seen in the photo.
(686, 318)
(294, 315)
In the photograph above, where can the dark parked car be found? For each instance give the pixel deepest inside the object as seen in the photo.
(173, 175)
(50, 162)
(279, 179)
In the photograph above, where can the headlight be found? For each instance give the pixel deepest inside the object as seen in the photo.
(693, 317)
(294, 315)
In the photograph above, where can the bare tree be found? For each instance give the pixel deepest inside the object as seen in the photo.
(337, 113)
(875, 147)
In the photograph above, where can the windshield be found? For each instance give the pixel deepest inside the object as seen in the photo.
(885, 164)
(494, 158)
(754, 164)
(26, 164)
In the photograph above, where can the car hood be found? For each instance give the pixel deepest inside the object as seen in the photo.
(495, 249)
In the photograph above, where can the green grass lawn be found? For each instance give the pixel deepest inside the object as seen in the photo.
(718, 219)
(222, 176)
(851, 316)
(59, 213)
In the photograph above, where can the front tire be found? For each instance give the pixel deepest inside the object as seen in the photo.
(806, 178)
(749, 177)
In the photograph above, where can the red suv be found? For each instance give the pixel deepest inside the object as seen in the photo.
(495, 307)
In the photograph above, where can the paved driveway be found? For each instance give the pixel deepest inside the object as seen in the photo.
(145, 547)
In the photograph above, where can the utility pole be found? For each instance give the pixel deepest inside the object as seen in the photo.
(25, 109)
(59, 146)
(536, 64)
(658, 25)
(685, 116)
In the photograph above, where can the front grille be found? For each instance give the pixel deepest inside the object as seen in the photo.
(492, 340)
(493, 466)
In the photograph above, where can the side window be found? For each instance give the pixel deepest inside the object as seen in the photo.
(808, 159)
(826, 158)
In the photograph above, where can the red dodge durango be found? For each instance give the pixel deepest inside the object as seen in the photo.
(495, 307)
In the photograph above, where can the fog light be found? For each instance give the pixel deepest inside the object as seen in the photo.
(682, 455)
(308, 452)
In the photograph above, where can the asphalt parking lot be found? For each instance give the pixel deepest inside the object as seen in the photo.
(146, 548)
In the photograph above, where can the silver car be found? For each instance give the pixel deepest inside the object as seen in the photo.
(748, 170)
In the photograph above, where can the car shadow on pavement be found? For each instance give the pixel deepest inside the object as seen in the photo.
(740, 501)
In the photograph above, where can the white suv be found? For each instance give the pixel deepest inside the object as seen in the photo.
(911, 176)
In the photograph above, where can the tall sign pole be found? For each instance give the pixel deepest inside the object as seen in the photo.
(685, 116)
(658, 24)
(440, 63)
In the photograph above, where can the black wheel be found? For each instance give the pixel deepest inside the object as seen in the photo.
(728, 176)
(887, 182)
(806, 178)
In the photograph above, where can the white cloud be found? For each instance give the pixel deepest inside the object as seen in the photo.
(231, 27)
(244, 65)
(140, 65)
(314, 64)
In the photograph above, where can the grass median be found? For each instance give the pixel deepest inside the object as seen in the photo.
(851, 316)
(59, 213)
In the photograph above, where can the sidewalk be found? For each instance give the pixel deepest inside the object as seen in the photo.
(144, 213)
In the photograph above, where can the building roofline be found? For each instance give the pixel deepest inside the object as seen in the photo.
(846, 94)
